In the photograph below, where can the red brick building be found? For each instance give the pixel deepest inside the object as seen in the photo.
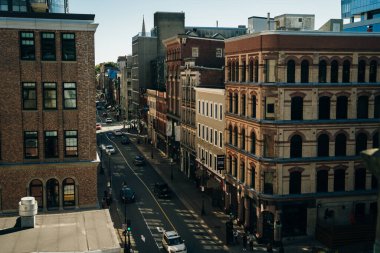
(48, 138)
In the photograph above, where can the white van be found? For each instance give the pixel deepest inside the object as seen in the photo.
(172, 242)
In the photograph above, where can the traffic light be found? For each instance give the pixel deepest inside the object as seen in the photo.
(129, 225)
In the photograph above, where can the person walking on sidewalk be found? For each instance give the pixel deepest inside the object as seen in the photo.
(244, 241)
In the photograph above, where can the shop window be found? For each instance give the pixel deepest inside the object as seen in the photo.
(296, 108)
(323, 145)
(340, 145)
(339, 180)
(341, 107)
(296, 146)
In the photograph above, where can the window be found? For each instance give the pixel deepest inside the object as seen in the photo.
(30, 145)
(216, 111)
(220, 140)
(372, 71)
(375, 140)
(199, 107)
(234, 172)
(253, 113)
(253, 178)
(27, 47)
(236, 136)
(322, 181)
(242, 143)
(323, 145)
(361, 71)
(243, 104)
(36, 191)
(199, 130)
(346, 71)
(361, 143)
(206, 108)
(230, 104)
(268, 183)
(291, 71)
(339, 180)
(51, 144)
(68, 192)
(4, 7)
(270, 108)
(206, 133)
(341, 107)
(220, 112)
(340, 145)
(210, 160)
(270, 71)
(253, 143)
(203, 107)
(242, 171)
(19, 5)
(68, 47)
(194, 52)
(256, 71)
(203, 132)
(360, 176)
(296, 108)
(211, 135)
(250, 71)
(219, 52)
(71, 143)
(322, 71)
(29, 96)
(243, 71)
(233, 72)
(211, 109)
(236, 107)
(296, 146)
(324, 108)
(304, 71)
(215, 138)
(377, 107)
(334, 71)
(362, 107)
(48, 46)
(50, 96)
(69, 96)
(230, 134)
(295, 182)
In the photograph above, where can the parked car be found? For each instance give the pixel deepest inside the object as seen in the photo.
(127, 194)
(125, 141)
(118, 133)
(162, 190)
(110, 149)
(104, 114)
(108, 120)
(98, 126)
(172, 242)
(139, 160)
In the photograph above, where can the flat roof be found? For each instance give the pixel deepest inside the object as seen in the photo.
(85, 231)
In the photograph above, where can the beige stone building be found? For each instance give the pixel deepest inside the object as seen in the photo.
(300, 106)
(209, 140)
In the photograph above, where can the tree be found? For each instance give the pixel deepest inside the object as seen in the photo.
(106, 64)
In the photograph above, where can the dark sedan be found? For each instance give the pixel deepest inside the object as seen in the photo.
(139, 160)
(127, 195)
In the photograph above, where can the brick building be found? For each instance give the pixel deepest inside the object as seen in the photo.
(300, 106)
(48, 139)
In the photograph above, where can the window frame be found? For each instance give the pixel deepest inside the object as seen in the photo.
(48, 148)
(68, 42)
(69, 134)
(27, 48)
(28, 89)
(48, 46)
(35, 139)
(45, 97)
(65, 99)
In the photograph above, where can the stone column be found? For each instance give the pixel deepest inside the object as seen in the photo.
(372, 160)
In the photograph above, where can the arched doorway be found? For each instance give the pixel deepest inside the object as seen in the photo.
(52, 194)
(36, 191)
(68, 188)
(268, 221)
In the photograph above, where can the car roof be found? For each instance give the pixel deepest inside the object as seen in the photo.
(171, 234)
(109, 146)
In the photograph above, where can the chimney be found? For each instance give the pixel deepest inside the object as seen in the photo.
(268, 21)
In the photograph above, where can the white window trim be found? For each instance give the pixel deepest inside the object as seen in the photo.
(216, 112)
(221, 112)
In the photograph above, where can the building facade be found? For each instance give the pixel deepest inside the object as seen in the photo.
(48, 140)
(299, 111)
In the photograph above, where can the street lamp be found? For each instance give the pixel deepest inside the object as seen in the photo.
(171, 169)
(202, 187)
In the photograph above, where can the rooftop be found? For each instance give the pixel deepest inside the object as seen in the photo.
(86, 231)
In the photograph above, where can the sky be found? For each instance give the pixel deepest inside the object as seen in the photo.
(120, 20)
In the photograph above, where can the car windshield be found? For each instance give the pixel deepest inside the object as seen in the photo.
(175, 241)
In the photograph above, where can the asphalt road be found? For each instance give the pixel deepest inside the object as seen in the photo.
(149, 215)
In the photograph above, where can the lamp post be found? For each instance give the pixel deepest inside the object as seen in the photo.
(171, 169)
(203, 188)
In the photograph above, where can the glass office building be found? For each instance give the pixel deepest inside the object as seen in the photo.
(51, 6)
(361, 15)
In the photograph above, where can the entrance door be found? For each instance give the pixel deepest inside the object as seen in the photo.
(52, 194)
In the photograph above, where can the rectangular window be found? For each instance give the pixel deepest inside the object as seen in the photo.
(50, 96)
(51, 144)
(216, 138)
(29, 96)
(203, 132)
(19, 5)
(215, 163)
(194, 52)
(30, 145)
(199, 130)
(203, 107)
(211, 111)
(48, 46)
(221, 112)
(219, 52)
(199, 107)
(210, 160)
(27, 48)
(206, 156)
(206, 108)
(3, 5)
(216, 111)
(71, 143)
(211, 134)
(206, 133)
(220, 140)
(69, 96)
(68, 47)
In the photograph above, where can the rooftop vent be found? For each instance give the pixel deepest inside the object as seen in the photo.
(27, 209)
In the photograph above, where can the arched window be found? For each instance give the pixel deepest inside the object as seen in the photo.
(322, 71)
(230, 164)
(340, 145)
(346, 71)
(339, 180)
(296, 146)
(362, 107)
(291, 71)
(322, 181)
(360, 175)
(253, 106)
(361, 71)
(235, 167)
(243, 77)
(256, 71)
(236, 103)
(361, 143)
(341, 107)
(324, 108)
(323, 145)
(243, 139)
(230, 104)
(230, 134)
(243, 104)
(376, 110)
(296, 108)
(295, 182)
(304, 71)
(68, 192)
(52, 194)
(253, 177)
(375, 140)
(334, 71)
(253, 143)
(36, 191)
(373, 71)
(236, 136)
(242, 171)
(229, 73)
(250, 71)
(233, 74)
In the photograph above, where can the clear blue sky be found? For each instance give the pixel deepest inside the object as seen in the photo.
(120, 20)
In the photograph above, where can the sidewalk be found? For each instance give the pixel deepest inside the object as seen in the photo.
(215, 218)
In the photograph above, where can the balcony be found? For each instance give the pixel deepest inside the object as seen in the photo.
(39, 5)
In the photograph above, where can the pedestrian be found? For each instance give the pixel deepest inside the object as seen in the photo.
(269, 247)
(244, 241)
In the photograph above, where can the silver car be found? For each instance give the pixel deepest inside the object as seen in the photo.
(110, 149)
